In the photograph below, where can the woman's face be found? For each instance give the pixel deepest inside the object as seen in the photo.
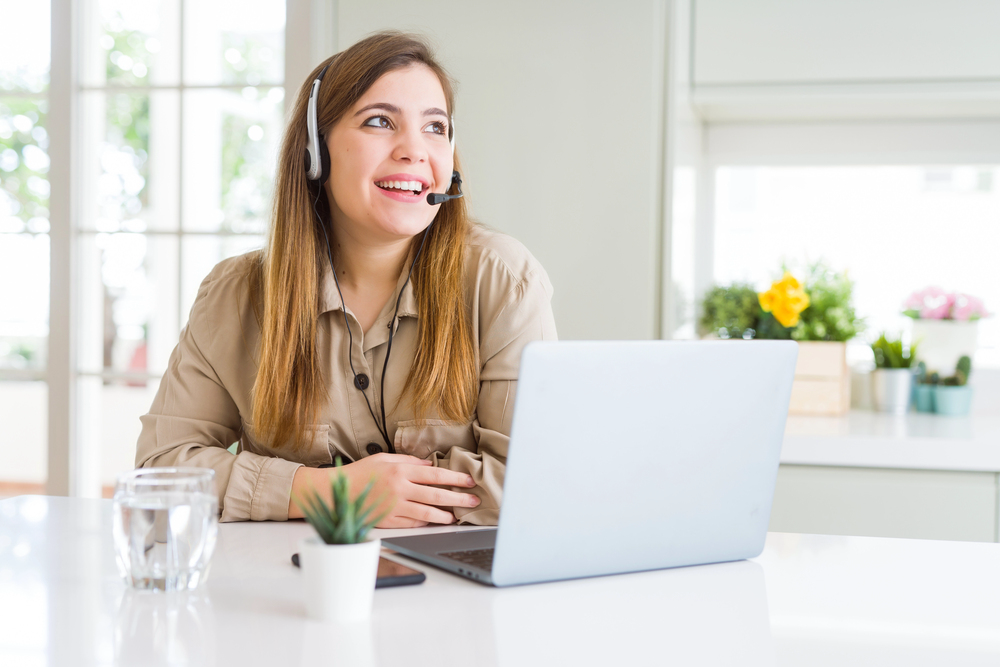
(386, 153)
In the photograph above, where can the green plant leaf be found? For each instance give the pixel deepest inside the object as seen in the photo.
(342, 521)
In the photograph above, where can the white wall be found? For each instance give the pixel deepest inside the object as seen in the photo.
(559, 119)
(857, 59)
(845, 41)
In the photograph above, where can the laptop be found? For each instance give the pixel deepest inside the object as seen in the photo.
(630, 456)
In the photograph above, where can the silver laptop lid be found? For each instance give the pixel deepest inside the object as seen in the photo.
(639, 455)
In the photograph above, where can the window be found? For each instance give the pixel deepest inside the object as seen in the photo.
(181, 110)
(178, 116)
(895, 229)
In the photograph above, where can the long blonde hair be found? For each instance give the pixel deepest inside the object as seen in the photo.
(284, 279)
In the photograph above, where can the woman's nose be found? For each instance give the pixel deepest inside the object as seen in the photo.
(410, 147)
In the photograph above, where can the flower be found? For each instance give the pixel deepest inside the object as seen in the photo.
(933, 303)
(785, 300)
(968, 307)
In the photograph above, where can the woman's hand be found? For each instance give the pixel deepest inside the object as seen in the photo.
(404, 483)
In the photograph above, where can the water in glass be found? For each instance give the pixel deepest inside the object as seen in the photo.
(165, 523)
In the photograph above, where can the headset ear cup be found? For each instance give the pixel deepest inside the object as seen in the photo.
(324, 161)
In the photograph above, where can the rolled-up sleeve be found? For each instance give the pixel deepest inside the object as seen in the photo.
(194, 420)
(522, 315)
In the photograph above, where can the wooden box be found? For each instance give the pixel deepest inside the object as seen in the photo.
(822, 380)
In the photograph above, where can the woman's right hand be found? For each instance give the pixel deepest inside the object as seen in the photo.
(405, 485)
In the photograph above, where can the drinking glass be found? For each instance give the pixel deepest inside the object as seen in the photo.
(165, 524)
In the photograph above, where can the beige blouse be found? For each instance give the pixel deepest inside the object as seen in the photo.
(203, 403)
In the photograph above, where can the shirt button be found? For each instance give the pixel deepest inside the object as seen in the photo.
(374, 448)
(361, 381)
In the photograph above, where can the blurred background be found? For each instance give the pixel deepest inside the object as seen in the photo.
(644, 151)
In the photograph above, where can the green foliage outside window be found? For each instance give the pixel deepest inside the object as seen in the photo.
(24, 164)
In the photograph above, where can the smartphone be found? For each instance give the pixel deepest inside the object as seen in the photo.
(390, 573)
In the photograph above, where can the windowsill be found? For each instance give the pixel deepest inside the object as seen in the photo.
(879, 440)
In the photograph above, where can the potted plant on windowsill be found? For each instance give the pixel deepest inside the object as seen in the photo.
(945, 323)
(893, 376)
(819, 314)
(923, 390)
(339, 564)
(953, 395)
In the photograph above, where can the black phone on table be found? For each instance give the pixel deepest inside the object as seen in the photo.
(390, 573)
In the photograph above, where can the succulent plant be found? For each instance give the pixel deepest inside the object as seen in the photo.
(891, 354)
(346, 521)
(962, 372)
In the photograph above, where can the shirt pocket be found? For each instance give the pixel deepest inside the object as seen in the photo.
(313, 451)
(422, 437)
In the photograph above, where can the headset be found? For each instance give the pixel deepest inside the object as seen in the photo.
(317, 164)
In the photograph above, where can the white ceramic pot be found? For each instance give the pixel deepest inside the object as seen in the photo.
(339, 579)
(940, 343)
(891, 389)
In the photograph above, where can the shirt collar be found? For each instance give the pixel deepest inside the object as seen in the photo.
(329, 297)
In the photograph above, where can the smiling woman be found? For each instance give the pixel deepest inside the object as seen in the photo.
(287, 350)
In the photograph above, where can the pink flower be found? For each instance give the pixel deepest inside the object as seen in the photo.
(933, 303)
(967, 307)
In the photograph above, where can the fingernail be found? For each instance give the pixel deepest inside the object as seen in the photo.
(475, 501)
(469, 480)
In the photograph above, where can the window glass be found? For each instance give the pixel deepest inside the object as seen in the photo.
(128, 316)
(130, 175)
(25, 46)
(109, 425)
(128, 43)
(24, 244)
(24, 301)
(24, 415)
(231, 143)
(895, 229)
(234, 42)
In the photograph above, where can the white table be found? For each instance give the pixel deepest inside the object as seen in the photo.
(807, 600)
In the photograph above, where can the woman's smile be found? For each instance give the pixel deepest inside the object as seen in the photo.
(402, 187)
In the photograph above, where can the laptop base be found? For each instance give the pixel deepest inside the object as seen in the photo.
(431, 549)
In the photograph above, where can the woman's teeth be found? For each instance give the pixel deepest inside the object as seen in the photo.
(410, 186)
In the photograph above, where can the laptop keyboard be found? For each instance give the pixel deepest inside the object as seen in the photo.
(481, 558)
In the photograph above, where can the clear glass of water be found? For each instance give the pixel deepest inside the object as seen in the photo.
(165, 524)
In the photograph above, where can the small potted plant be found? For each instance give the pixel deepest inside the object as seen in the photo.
(953, 395)
(923, 390)
(945, 323)
(339, 565)
(893, 375)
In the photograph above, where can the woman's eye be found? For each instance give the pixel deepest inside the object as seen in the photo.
(378, 121)
(437, 127)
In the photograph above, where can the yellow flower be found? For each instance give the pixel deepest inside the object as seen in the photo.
(785, 300)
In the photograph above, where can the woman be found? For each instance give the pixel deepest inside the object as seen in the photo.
(403, 362)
